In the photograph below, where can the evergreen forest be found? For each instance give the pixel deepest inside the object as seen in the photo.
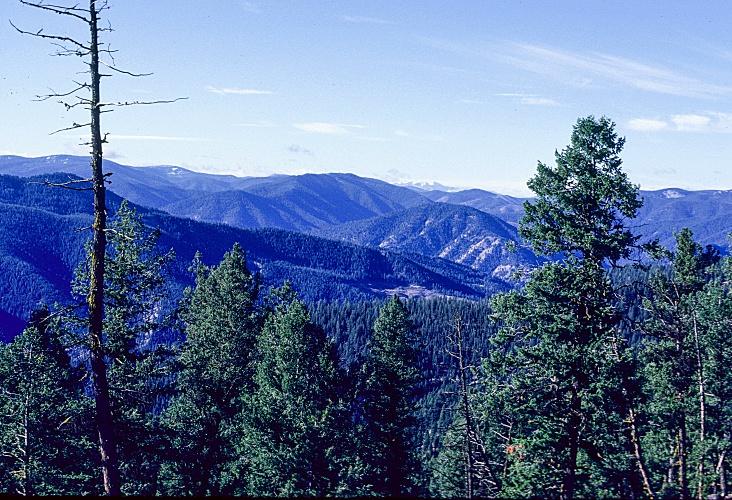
(603, 373)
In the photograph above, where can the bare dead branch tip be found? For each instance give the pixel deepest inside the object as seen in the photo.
(140, 103)
(72, 127)
(39, 34)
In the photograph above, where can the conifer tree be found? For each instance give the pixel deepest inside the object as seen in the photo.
(293, 424)
(215, 369)
(675, 354)
(560, 329)
(386, 404)
(46, 442)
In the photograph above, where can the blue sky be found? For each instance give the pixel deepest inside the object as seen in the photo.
(468, 94)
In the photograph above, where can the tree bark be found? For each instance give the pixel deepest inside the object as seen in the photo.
(682, 479)
(570, 470)
(702, 411)
(466, 410)
(95, 299)
(635, 440)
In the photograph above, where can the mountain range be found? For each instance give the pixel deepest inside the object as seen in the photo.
(334, 235)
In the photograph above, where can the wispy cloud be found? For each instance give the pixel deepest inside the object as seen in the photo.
(691, 123)
(327, 128)
(122, 137)
(410, 135)
(249, 7)
(366, 20)
(530, 99)
(237, 91)
(710, 121)
(371, 138)
(472, 101)
(539, 101)
(624, 71)
(297, 149)
(647, 124)
(263, 124)
(583, 69)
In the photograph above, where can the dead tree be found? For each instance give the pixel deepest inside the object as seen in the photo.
(477, 474)
(86, 95)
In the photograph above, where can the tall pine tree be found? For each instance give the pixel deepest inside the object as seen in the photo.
(293, 424)
(386, 405)
(215, 370)
(561, 328)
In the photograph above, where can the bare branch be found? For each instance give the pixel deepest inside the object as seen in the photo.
(39, 34)
(140, 103)
(59, 9)
(53, 93)
(114, 68)
(65, 51)
(72, 127)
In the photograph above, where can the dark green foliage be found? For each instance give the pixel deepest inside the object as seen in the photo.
(46, 437)
(582, 202)
(135, 314)
(385, 399)
(562, 349)
(293, 441)
(214, 370)
(687, 335)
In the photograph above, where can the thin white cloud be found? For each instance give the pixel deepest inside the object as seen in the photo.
(263, 124)
(366, 20)
(297, 149)
(432, 137)
(249, 7)
(529, 99)
(370, 138)
(693, 123)
(472, 101)
(647, 125)
(616, 69)
(327, 128)
(583, 69)
(122, 137)
(539, 101)
(708, 122)
(237, 91)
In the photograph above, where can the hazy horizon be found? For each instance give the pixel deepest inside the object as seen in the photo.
(467, 96)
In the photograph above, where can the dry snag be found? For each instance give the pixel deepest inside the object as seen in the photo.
(87, 95)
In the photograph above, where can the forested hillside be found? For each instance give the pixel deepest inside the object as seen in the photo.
(290, 366)
(456, 233)
(42, 242)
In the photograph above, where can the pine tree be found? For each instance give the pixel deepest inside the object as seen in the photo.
(135, 308)
(293, 424)
(386, 405)
(675, 361)
(46, 442)
(215, 369)
(561, 328)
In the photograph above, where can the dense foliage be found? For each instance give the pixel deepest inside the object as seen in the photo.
(596, 378)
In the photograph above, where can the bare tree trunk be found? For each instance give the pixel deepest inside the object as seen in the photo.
(635, 440)
(570, 469)
(105, 428)
(702, 412)
(466, 409)
(682, 481)
(721, 476)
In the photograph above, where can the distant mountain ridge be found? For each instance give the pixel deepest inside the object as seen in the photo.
(318, 202)
(457, 233)
(42, 241)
